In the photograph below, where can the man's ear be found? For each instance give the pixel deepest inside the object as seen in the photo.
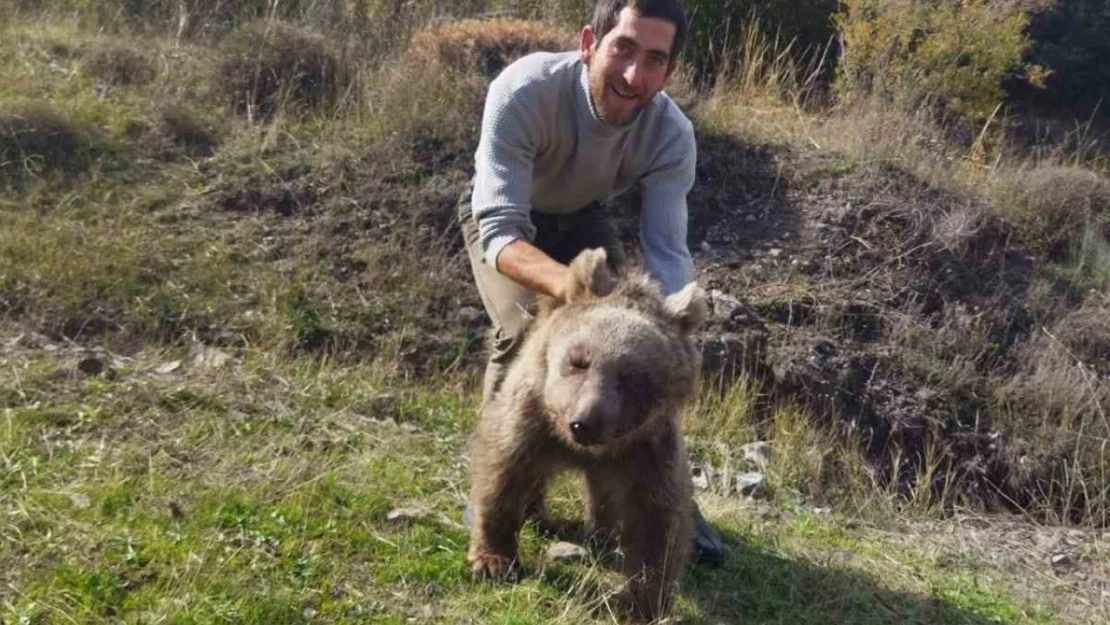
(689, 307)
(587, 41)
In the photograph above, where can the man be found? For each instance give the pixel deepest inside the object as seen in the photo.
(560, 134)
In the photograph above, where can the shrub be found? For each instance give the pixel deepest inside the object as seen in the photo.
(955, 51)
(714, 25)
(1051, 207)
(119, 65)
(37, 140)
(487, 46)
(271, 65)
(1070, 40)
(182, 126)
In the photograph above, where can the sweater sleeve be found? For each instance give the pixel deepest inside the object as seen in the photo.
(504, 160)
(664, 215)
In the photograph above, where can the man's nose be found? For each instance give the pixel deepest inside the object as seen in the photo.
(632, 74)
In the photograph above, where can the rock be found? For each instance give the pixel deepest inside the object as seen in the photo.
(204, 357)
(752, 485)
(92, 367)
(706, 247)
(406, 515)
(724, 305)
(700, 477)
(775, 252)
(169, 367)
(469, 315)
(567, 552)
(758, 453)
(309, 613)
(1061, 561)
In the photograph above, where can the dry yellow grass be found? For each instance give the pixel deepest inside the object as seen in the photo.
(486, 46)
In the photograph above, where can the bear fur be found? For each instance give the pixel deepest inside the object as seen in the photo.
(598, 385)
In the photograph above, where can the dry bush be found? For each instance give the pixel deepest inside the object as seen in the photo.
(117, 64)
(271, 66)
(1055, 408)
(186, 129)
(1051, 206)
(486, 46)
(35, 139)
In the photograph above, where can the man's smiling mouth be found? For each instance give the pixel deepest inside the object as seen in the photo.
(624, 95)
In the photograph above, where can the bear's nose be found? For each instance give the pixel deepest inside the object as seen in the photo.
(583, 432)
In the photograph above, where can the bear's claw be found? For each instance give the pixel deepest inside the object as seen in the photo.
(495, 568)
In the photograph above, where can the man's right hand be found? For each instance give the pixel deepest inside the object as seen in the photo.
(530, 267)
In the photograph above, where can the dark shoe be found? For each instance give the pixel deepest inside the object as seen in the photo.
(708, 546)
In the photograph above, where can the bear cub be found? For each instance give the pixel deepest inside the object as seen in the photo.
(598, 386)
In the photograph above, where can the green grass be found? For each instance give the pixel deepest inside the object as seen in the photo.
(259, 494)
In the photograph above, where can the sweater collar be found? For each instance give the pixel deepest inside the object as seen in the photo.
(587, 111)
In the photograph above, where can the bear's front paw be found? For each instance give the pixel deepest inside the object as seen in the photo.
(495, 568)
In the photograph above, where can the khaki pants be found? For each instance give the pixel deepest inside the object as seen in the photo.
(510, 305)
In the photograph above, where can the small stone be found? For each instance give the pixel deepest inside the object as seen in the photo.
(706, 247)
(169, 367)
(80, 501)
(469, 315)
(724, 305)
(1061, 560)
(775, 252)
(700, 478)
(822, 511)
(758, 453)
(209, 357)
(92, 367)
(750, 219)
(752, 485)
(309, 612)
(567, 552)
(406, 515)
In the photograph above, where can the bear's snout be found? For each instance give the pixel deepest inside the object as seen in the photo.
(596, 416)
(584, 432)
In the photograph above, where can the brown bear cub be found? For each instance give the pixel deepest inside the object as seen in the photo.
(598, 386)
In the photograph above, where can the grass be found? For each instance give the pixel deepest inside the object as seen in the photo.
(153, 496)
(318, 251)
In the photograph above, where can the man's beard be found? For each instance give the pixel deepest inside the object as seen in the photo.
(597, 93)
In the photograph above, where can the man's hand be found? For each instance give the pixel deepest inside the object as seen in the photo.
(529, 266)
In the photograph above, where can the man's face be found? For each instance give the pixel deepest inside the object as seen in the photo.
(630, 66)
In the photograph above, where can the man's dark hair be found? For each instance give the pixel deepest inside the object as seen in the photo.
(607, 13)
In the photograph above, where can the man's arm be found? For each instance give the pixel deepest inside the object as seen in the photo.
(664, 214)
(529, 266)
(511, 132)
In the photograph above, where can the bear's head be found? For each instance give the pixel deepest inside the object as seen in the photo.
(618, 357)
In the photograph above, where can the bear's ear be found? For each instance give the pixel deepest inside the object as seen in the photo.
(689, 307)
(589, 275)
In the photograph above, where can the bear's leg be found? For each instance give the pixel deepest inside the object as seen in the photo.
(657, 536)
(604, 503)
(503, 487)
